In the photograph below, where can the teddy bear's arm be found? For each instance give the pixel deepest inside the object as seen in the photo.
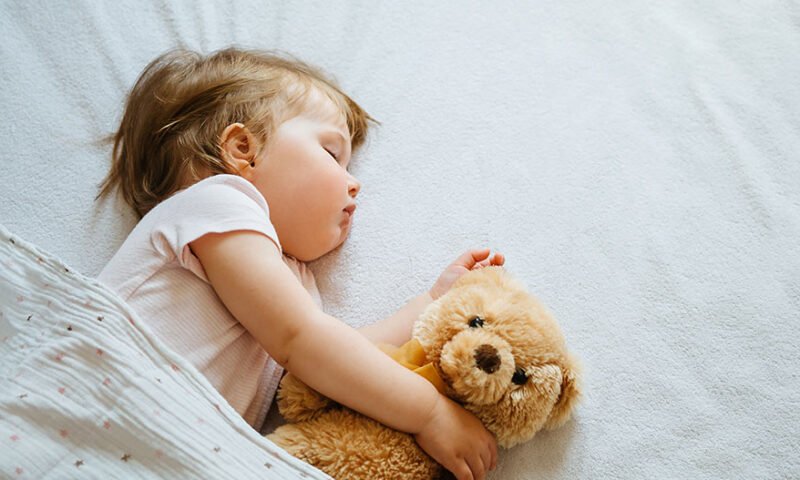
(298, 402)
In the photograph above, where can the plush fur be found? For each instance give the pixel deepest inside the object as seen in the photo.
(513, 372)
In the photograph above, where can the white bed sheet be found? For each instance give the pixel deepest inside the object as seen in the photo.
(635, 161)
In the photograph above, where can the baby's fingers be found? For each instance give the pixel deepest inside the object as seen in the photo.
(462, 472)
(470, 258)
(493, 448)
(486, 458)
(477, 467)
(497, 260)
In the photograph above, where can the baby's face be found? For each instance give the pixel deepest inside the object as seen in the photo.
(303, 175)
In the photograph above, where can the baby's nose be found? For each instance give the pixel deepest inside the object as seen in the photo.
(353, 186)
(487, 359)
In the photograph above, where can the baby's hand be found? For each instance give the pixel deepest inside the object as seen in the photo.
(457, 440)
(470, 260)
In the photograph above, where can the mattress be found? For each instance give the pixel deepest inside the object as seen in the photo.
(635, 162)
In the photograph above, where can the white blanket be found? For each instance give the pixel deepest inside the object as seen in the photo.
(637, 162)
(87, 391)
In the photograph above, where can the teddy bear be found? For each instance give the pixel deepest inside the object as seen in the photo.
(487, 343)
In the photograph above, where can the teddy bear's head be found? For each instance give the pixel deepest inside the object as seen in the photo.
(501, 355)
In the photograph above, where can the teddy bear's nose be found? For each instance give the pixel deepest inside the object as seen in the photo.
(487, 359)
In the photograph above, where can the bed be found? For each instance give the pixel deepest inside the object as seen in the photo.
(635, 163)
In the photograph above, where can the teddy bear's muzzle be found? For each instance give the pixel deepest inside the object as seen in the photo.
(478, 366)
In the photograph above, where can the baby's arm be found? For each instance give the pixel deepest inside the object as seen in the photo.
(328, 355)
(396, 329)
(247, 272)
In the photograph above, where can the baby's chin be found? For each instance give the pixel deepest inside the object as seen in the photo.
(345, 233)
(345, 227)
(338, 238)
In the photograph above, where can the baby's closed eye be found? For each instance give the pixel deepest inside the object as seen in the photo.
(331, 154)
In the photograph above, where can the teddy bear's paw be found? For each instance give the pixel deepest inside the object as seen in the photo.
(297, 402)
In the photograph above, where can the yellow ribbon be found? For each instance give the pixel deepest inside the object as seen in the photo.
(411, 355)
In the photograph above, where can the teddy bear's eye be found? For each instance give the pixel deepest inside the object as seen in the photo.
(476, 322)
(519, 377)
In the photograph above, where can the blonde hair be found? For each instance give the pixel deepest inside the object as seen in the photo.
(177, 109)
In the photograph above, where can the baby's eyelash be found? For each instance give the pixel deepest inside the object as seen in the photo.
(331, 154)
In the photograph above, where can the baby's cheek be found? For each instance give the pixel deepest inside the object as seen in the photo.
(332, 192)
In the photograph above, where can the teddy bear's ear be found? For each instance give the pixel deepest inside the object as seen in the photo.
(570, 393)
(493, 274)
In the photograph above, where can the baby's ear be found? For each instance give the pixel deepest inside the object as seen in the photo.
(570, 393)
